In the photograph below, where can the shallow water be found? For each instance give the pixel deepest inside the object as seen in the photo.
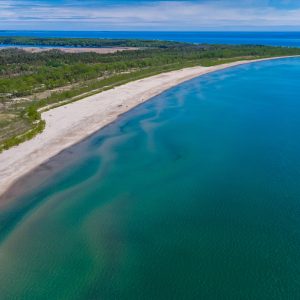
(192, 195)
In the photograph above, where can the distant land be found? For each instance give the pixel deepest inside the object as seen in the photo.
(282, 38)
(37, 49)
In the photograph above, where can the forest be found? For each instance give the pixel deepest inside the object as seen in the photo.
(85, 42)
(31, 82)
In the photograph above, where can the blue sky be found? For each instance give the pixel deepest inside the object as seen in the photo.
(150, 15)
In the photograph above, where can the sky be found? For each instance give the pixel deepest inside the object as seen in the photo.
(152, 15)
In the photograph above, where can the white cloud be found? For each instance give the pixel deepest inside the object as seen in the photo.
(157, 16)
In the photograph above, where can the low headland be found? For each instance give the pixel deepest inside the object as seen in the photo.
(54, 119)
(37, 49)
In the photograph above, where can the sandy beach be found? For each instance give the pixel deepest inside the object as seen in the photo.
(69, 124)
(104, 50)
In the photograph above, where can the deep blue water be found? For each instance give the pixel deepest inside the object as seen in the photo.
(261, 38)
(192, 195)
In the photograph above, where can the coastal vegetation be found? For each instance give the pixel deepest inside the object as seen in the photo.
(86, 42)
(32, 82)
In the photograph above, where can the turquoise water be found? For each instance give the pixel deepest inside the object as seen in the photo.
(192, 195)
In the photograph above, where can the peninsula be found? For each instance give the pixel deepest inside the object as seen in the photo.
(41, 114)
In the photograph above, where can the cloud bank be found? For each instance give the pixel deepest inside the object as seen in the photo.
(148, 15)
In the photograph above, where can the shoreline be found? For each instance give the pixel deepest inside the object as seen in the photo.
(72, 123)
(99, 50)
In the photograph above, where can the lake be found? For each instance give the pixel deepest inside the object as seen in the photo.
(192, 195)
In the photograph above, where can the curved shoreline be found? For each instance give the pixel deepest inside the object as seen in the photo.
(69, 124)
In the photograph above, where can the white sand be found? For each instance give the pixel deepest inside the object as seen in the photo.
(67, 125)
(105, 50)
